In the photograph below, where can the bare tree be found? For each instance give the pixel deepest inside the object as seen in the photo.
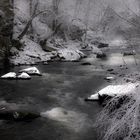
(87, 16)
(6, 28)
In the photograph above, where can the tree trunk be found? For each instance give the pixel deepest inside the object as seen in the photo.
(6, 27)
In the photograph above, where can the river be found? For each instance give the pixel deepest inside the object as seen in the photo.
(60, 90)
(63, 86)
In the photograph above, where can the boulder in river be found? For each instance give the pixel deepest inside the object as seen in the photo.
(31, 71)
(70, 54)
(24, 76)
(13, 115)
(109, 78)
(94, 97)
(10, 75)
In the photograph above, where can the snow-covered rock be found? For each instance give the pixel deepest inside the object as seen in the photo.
(70, 55)
(114, 90)
(31, 70)
(94, 97)
(31, 53)
(10, 75)
(109, 78)
(24, 75)
(96, 50)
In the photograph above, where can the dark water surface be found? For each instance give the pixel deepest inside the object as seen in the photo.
(62, 86)
(61, 92)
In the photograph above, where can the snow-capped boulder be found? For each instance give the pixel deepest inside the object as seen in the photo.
(114, 90)
(96, 50)
(24, 75)
(109, 78)
(10, 75)
(70, 55)
(94, 97)
(31, 71)
(31, 53)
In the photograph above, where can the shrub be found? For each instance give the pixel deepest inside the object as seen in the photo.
(120, 118)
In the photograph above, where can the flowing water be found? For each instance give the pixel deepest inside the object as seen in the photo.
(60, 93)
(59, 96)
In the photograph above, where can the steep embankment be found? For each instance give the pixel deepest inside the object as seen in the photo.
(51, 24)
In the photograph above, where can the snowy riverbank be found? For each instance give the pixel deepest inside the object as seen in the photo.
(32, 53)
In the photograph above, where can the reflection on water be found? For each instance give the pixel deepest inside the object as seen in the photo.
(73, 120)
(119, 59)
(115, 59)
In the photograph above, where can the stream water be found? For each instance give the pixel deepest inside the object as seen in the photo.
(61, 91)
(63, 86)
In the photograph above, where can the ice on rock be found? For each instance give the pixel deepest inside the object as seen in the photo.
(115, 90)
(24, 75)
(31, 70)
(10, 75)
